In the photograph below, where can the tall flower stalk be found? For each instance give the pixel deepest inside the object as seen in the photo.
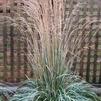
(53, 35)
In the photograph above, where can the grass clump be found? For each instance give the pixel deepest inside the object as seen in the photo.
(44, 90)
(53, 43)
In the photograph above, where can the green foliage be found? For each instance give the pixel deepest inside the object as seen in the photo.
(5, 91)
(55, 88)
(1, 98)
